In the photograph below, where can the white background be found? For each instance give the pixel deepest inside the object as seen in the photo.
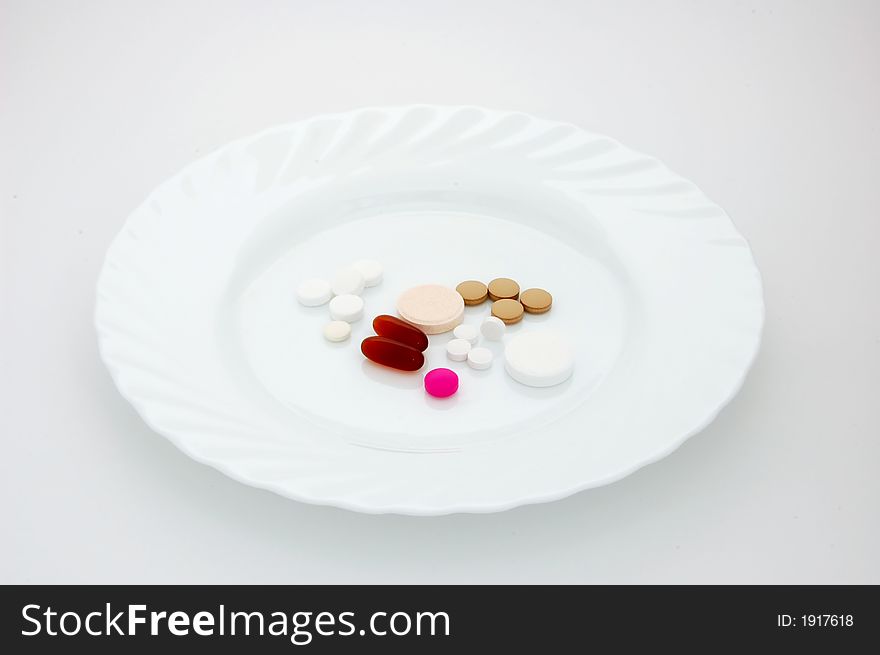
(771, 107)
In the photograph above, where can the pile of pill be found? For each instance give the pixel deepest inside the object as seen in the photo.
(533, 358)
(343, 293)
(534, 361)
(508, 304)
(401, 345)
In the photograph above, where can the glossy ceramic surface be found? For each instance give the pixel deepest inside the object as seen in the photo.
(199, 327)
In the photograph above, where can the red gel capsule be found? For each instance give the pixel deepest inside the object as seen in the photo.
(383, 350)
(398, 330)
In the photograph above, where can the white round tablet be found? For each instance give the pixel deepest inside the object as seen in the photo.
(348, 281)
(539, 359)
(457, 350)
(347, 307)
(466, 332)
(337, 331)
(371, 270)
(493, 328)
(479, 358)
(313, 292)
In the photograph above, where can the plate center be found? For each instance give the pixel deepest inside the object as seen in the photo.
(335, 386)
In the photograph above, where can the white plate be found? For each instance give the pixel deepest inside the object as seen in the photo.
(198, 324)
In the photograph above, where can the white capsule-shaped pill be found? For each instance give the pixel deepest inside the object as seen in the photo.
(313, 292)
(457, 350)
(493, 328)
(466, 332)
(348, 281)
(347, 307)
(336, 331)
(539, 359)
(479, 358)
(371, 270)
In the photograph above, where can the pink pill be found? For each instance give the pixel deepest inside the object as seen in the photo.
(441, 382)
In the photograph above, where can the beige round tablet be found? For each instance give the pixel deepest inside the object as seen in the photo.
(473, 292)
(509, 311)
(502, 288)
(536, 301)
(432, 308)
(337, 331)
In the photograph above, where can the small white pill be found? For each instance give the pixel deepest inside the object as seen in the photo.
(313, 292)
(347, 307)
(348, 281)
(337, 331)
(479, 358)
(539, 359)
(370, 269)
(493, 328)
(466, 332)
(457, 350)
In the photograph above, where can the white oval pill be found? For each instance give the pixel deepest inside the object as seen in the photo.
(348, 281)
(347, 307)
(313, 292)
(457, 350)
(539, 359)
(479, 358)
(371, 270)
(493, 328)
(466, 332)
(337, 331)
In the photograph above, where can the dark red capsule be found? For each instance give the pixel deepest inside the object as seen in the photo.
(398, 330)
(383, 350)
